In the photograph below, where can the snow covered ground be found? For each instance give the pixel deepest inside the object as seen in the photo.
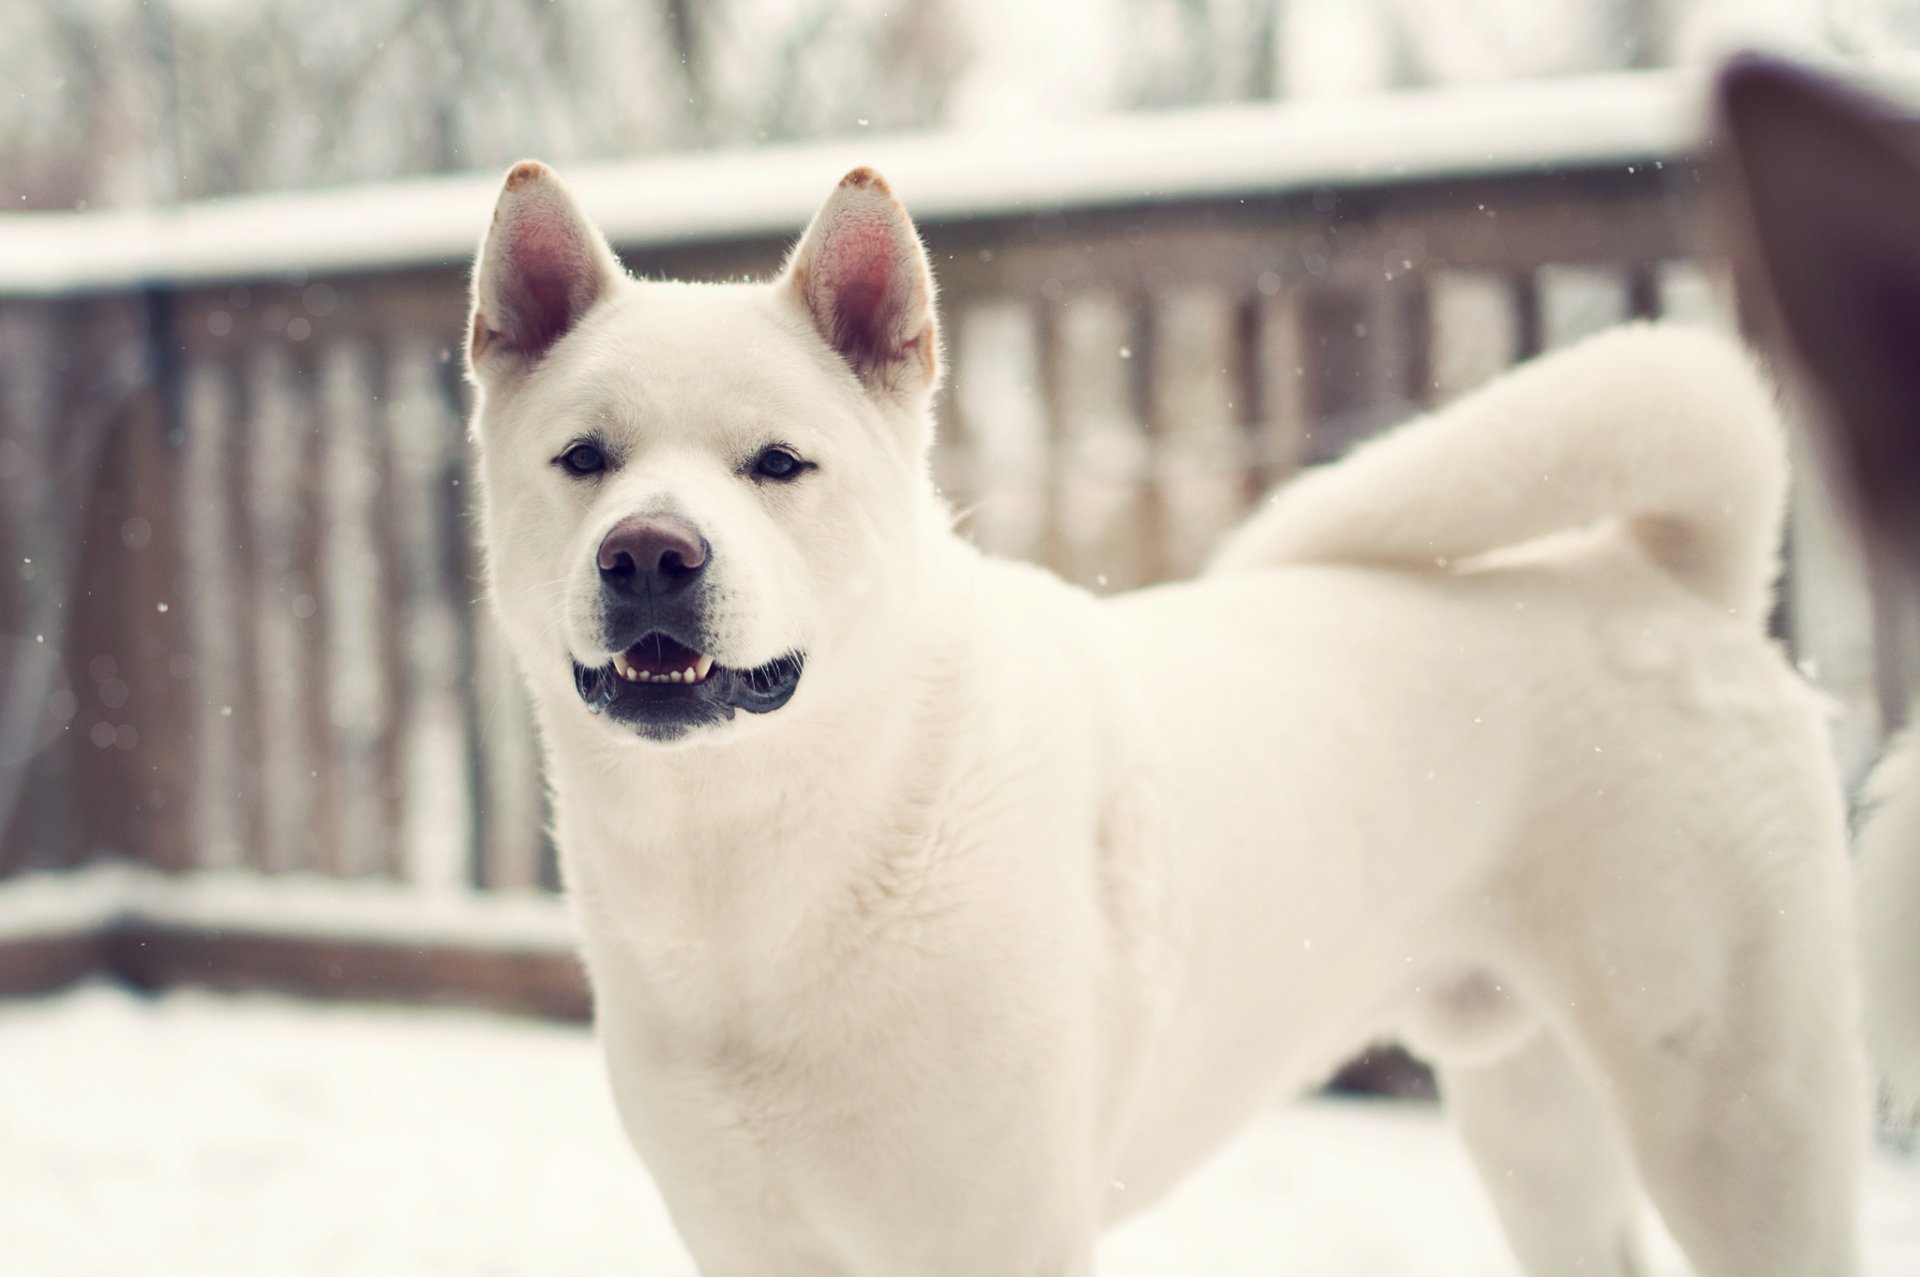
(223, 1136)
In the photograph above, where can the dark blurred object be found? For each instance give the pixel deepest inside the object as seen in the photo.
(1820, 195)
(1388, 1071)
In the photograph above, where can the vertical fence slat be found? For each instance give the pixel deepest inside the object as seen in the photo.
(217, 619)
(1643, 291)
(1004, 425)
(460, 582)
(112, 448)
(1052, 373)
(43, 727)
(1285, 429)
(1414, 317)
(429, 447)
(347, 559)
(284, 610)
(1345, 381)
(511, 797)
(96, 480)
(1529, 328)
(1689, 294)
(391, 589)
(1102, 450)
(1251, 379)
(507, 797)
(322, 849)
(953, 460)
(152, 607)
(1197, 443)
(1579, 301)
(431, 612)
(1147, 556)
(249, 705)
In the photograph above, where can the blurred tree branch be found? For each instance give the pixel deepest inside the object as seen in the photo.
(121, 101)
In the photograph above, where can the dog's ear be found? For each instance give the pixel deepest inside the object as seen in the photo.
(1824, 212)
(542, 267)
(862, 277)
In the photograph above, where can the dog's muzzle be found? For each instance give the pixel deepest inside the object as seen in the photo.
(661, 680)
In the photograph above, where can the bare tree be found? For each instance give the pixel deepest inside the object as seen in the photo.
(122, 102)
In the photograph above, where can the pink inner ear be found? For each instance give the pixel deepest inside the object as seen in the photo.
(543, 261)
(861, 286)
(546, 278)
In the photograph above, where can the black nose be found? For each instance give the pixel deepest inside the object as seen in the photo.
(651, 553)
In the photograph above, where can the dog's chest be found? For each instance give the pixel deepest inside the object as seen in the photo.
(759, 1067)
(751, 954)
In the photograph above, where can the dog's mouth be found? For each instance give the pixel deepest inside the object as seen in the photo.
(658, 658)
(665, 688)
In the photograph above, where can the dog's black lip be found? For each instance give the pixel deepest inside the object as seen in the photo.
(759, 690)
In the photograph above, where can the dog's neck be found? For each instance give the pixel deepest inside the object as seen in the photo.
(754, 839)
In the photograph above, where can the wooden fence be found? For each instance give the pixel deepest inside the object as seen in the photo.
(244, 640)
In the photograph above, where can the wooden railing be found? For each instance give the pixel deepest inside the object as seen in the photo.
(241, 592)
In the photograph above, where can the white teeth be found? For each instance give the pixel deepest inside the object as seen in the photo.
(697, 674)
(676, 676)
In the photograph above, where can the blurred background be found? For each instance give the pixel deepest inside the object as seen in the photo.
(112, 102)
(255, 731)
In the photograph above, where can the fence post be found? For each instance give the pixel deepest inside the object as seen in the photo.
(131, 738)
(155, 618)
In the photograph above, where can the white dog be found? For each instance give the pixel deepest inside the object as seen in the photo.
(938, 913)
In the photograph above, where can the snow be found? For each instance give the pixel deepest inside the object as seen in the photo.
(242, 1136)
(51, 904)
(1621, 117)
(307, 905)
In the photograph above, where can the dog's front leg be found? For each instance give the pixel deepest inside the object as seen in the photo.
(865, 1213)
(923, 1154)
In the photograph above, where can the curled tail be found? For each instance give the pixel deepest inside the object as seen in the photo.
(1889, 883)
(1672, 432)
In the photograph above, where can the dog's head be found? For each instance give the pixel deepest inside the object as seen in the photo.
(701, 501)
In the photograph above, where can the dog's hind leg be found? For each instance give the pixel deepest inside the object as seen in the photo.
(1551, 1152)
(1747, 1122)
(1709, 981)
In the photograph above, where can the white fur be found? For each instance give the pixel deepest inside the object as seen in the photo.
(1027, 899)
(1665, 430)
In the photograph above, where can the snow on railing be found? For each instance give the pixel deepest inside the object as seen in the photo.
(1175, 156)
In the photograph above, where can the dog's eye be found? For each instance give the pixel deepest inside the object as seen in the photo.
(777, 463)
(583, 459)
